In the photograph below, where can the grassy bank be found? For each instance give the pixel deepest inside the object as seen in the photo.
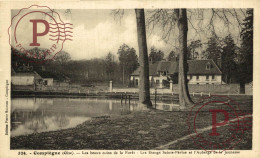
(138, 131)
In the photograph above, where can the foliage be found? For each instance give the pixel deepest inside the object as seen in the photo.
(62, 57)
(192, 52)
(127, 58)
(33, 57)
(79, 71)
(37, 53)
(228, 57)
(172, 56)
(110, 64)
(223, 52)
(214, 49)
(155, 55)
(246, 55)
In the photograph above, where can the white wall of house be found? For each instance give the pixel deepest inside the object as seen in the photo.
(135, 79)
(159, 80)
(48, 81)
(22, 80)
(204, 80)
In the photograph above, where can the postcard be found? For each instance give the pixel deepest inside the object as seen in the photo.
(129, 78)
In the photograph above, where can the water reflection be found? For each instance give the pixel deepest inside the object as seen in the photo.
(33, 115)
(167, 106)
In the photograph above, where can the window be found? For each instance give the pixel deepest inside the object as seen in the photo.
(197, 77)
(213, 77)
(208, 66)
(190, 77)
(157, 82)
(136, 82)
(207, 77)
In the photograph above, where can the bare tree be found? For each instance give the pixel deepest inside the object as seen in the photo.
(184, 97)
(144, 87)
(62, 57)
(168, 19)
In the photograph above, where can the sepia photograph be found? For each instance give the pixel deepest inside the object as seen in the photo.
(155, 79)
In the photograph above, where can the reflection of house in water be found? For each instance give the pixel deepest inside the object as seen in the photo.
(43, 114)
(26, 111)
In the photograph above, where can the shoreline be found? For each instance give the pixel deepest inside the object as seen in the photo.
(105, 94)
(101, 94)
(143, 130)
(106, 132)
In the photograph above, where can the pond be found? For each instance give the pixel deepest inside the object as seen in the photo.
(34, 115)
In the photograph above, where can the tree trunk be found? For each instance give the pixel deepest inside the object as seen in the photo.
(184, 96)
(144, 87)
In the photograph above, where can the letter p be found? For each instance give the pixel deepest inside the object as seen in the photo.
(214, 120)
(35, 33)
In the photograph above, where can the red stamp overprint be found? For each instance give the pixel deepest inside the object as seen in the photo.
(227, 125)
(40, 28)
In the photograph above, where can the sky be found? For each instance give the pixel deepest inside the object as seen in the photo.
(97, 32)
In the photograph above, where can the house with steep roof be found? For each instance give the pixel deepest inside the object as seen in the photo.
(24, 78)
(51, 78)
(203, 72)
(47, 78)
(199, 72)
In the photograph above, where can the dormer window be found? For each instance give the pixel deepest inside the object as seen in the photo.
(208, 66)
(163, 73)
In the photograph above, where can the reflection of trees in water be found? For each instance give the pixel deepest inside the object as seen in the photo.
(166, 107)
(61, 120)
(125, 109)
(47, 116)
(14, 117)
(138, 107)
(37, 122)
